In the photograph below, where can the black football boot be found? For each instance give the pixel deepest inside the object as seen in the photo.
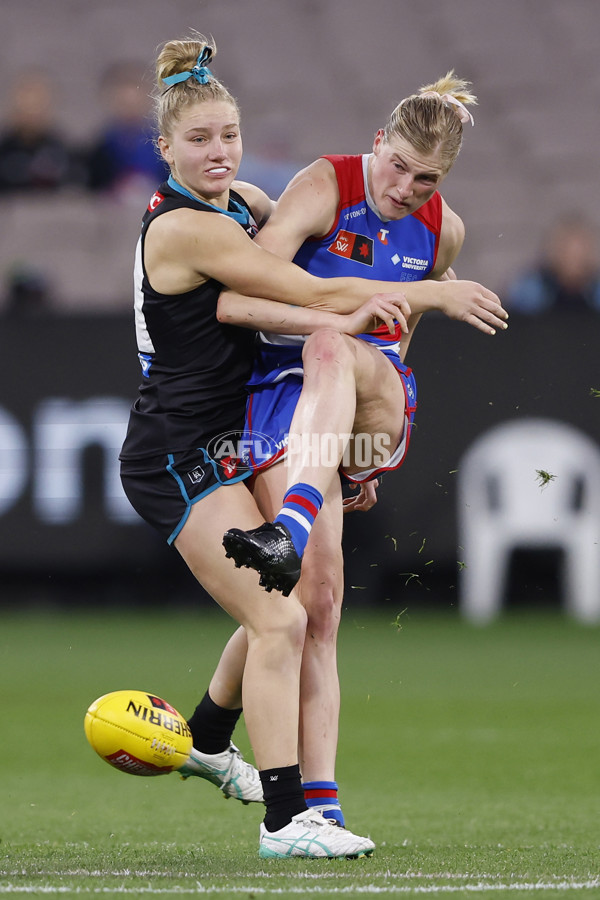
(269, 550)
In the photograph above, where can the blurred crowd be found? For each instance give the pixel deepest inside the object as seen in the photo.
(121, 158)
(121, 162)
(566, 274)
(35, 156)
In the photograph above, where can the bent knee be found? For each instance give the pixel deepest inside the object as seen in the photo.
(323, 603)
(285, 623)
(326, 345)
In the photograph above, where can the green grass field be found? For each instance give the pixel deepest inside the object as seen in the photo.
(472, 757)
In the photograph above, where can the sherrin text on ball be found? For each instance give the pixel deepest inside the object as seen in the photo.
(138, 733)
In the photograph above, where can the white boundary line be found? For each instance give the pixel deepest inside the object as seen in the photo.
(199, 889)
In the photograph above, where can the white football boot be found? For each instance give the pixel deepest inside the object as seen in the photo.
(229, 771)
(312, 836)
(326, 811)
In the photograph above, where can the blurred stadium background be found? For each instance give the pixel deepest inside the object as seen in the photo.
(312, 76)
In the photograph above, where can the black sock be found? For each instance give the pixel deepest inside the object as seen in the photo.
(212, 726)
(284, 795)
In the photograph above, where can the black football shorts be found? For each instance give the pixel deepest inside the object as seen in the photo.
(163, 489)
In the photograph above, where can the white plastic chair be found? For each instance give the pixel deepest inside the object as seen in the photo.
(529, 484)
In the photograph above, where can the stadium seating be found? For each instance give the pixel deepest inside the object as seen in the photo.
(328, 74)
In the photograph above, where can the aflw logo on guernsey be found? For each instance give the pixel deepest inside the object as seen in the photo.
(353, 246)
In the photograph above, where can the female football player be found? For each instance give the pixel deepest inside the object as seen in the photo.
(197, 236)
(379, 216)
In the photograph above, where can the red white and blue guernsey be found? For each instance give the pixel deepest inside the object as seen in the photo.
(363, 244)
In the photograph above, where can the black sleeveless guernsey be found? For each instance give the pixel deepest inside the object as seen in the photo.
(194, 368)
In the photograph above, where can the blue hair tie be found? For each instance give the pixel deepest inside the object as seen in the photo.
(200, 72)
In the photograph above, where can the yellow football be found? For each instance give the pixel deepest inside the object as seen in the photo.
(138, 733)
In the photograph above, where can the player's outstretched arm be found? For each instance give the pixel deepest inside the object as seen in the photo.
(281, 318)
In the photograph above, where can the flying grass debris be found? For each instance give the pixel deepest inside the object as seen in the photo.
(411, 575)
(397, 623)
(544, 477)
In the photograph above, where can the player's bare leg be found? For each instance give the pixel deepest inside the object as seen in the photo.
(214, 756)
(275, 631)
(349, 386)
(226, 684)
(321, 593)
(269, 652)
